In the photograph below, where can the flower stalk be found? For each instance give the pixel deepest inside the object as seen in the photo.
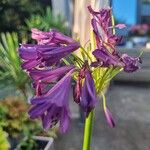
(88, 131)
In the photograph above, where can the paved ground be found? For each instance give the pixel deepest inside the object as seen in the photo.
(130, 105)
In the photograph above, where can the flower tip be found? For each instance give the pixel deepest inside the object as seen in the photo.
(109, 118)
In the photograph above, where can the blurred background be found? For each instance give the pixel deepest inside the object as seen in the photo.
(128, 94)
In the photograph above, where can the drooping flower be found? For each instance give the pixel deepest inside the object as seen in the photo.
(109, 117)
(53, 107)
(88, 99)
(44, 55)
(78, 86)
(84, 92)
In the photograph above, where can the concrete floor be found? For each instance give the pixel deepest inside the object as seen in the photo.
(130, 106)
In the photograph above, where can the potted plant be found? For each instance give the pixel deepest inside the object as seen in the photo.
(14, 120)
(35, 142)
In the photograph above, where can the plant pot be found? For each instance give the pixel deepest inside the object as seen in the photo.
(44, 143)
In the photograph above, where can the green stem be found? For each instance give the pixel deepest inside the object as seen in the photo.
(88, 131)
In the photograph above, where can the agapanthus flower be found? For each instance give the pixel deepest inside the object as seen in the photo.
(107, 59)
(131, 64)
(85, 92)
(44, 55)
(53, 107)
(42, 78)
(102, 28)
(51, 37)
(88, 99)
(106, 53)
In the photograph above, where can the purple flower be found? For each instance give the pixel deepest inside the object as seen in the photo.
(131, 64)
(42, 78)
(102, 28)
(84, 91)
(78, 86)
(53, 107)
(107, 59)
(88, 99)
(47, 38)
(44, 55)
(109, 117)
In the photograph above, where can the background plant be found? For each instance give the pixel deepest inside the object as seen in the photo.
(46, 20)
(4, 144)
(13, 115)
(14, 12)
(10, 64)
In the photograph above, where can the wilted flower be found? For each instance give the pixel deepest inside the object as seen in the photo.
(106, 54)
(101, 23)
(131, 64)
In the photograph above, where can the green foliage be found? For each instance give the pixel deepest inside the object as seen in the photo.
(10, 64)
(13, 115)
(14, 12)
(28, 143)
(45, 21)
(15, 120)
(4, 144)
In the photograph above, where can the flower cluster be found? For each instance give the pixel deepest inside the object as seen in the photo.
(106, 53)
(52, 80)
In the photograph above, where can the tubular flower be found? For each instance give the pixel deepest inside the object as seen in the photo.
(88, 94)
(44, 55)
(42, 78)
(109, 117)
(53, 107)
(49, 38)
(85, 93)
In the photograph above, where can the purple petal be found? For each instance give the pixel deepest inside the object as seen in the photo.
(64, 121)
(31, 64)
(38, 110)
(88, 94)
(42, 74)
(28, 54)
(61, 51)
